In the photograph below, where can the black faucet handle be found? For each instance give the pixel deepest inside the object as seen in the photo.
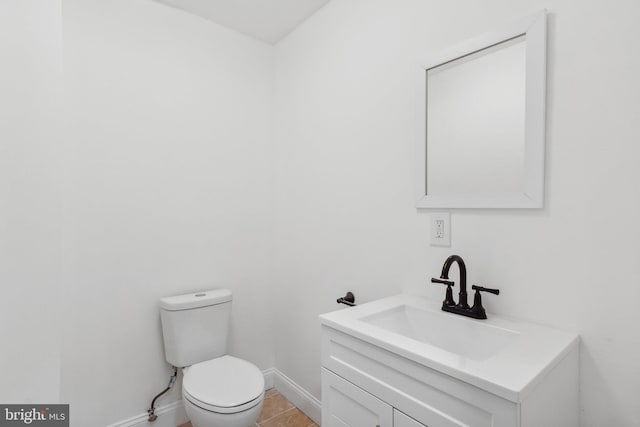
(478, 310)
(483, 289)
(448, 299)
(442, 281)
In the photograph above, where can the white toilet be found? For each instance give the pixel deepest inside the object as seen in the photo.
(218, 390)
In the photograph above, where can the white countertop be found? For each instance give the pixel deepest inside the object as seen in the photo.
(510, 373)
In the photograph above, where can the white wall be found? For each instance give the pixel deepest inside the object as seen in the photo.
(345, 132)
(159, 182)
(31, 246)
(169, 147)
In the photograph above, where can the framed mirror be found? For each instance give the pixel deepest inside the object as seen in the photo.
(482, 121)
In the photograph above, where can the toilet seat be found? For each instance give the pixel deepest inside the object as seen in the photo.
(224, 385)
(221, 409)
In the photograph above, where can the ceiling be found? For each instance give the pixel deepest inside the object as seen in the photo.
(267, 20)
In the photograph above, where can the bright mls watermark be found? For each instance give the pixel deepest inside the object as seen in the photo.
(34, 415)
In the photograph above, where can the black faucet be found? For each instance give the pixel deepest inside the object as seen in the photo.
(462, 307)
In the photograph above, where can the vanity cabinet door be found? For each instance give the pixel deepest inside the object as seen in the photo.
(346, 405)
(402, 420)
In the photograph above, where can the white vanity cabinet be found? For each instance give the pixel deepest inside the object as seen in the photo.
(373, 378)
(347, 405)
(370, 382)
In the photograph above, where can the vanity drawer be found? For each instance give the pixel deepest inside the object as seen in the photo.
(428, 396)
(401, 420)
(346, 405)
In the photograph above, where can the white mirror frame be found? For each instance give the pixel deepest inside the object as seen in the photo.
(535, 29)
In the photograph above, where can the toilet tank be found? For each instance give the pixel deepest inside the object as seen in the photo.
(195, 326)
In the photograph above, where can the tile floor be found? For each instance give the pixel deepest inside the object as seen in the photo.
(278, 412)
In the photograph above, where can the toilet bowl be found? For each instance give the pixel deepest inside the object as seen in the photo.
(223, 392)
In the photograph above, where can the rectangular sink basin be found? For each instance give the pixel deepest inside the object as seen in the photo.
(450, 332)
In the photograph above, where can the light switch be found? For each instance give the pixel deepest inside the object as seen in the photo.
(440, 229)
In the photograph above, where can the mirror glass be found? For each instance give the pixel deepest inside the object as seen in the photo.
(482, 128)
(475, 116)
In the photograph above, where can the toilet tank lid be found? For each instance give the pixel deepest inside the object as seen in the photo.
(195, 300)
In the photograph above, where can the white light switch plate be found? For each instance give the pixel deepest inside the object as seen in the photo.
(440, 229)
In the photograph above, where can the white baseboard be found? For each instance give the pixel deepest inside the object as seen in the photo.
(170, 415)
(269, 376)
(297, 395)
(173, 414)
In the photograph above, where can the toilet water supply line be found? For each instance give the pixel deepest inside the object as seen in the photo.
(151, 411)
